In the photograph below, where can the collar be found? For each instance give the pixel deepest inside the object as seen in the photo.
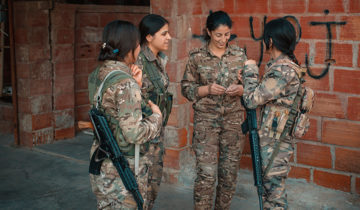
(207, 49)
(149, 55)
(117, 65)
(272, 61)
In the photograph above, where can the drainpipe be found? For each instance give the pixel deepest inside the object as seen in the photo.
(13, 72)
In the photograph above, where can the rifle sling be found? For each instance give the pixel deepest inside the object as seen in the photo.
(289, 123)
(110, 79)
(110, 149)
(97, 159)
(154, 76)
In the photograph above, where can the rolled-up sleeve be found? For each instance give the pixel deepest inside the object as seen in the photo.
(259, 93)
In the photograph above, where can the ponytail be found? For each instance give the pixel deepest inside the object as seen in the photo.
(283, 36)
(293, 58)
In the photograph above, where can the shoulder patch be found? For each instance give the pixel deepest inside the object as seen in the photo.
(293, 66)
(281, 67)
(236, 50)
(197, 50)
(283, 62)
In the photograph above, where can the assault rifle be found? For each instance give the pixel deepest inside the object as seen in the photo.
(110, 149)
(250, 125)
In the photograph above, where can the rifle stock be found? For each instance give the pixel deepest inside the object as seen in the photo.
(85, 125)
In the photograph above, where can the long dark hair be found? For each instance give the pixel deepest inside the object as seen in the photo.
(150, 24)
(119, 38)
(283, 36)
(214, 20)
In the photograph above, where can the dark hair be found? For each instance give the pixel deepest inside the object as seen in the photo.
(119, 38)
(283, 36)
(214, 20)
(150, 24)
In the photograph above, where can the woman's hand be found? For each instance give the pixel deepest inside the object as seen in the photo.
(136, 73)
(235, 90)
(249, 62)
(215, 89)
(239, 75)
(154, 108)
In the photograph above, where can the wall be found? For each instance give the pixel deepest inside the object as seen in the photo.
(89, 24)
(329, 155)
(6, 118)
(34, 72)
(56, 47)
(57, 44)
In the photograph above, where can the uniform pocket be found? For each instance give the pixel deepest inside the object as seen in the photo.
(307, 100)
(199, 134)
(301, 126)
(274, 120)
(206, 74)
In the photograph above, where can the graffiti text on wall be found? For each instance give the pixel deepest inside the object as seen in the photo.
(328, 60)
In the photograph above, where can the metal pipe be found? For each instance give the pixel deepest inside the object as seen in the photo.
(13, 72)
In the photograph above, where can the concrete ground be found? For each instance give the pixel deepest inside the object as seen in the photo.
(55, 176)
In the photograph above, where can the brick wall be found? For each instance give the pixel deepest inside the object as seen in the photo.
(56, 47)
(34, 72)
(89, 24)
(62, 50)
(329, 154)
(44, 46)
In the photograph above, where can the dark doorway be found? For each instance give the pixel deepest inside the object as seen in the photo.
(111, 2)
(5, 70)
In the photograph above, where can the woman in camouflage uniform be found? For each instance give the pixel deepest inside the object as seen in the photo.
(121, 104)
(274, 93)
(155, 39)
(210, 81)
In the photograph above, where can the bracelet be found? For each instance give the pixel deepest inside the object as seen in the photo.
(209, 89)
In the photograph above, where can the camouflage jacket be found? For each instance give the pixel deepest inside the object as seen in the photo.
(122, 101)
(278, 86)
(160, 62)
(275, 92)
(204, 68)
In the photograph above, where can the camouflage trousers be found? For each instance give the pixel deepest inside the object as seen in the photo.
(218, 143)
(155, 152)
(275, 196)
(109, 189)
